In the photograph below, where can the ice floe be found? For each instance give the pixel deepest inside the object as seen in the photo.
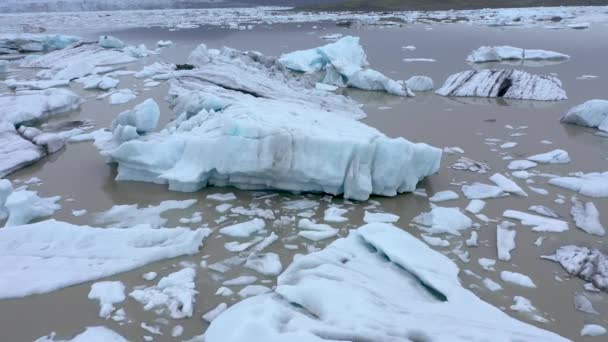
(507, 185)
(420, 83)
(482, 191)
(174, 293)
(593, 113)
(552, 157)
(587, 217)
(538, 223)
(91, 334)
(110, 42)
(444, 196)
(49, 255)
(593, 184)
(107, 293)
(30, 105)
(31, 42)
(443, 220)
(315, 231)
(500, 53)
(23, 206)
(509, 84)
(129, 215)
(593, 330)
(83, 54)
(505, 240)
(524, 306)
(517, 279)
(244, 229)
(308, 303)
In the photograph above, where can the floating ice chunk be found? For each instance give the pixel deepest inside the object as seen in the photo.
(593, 330)
(76, 70)
(31, 105)
(35, 85)
(452, 150)
(107, 293)
(244, 229)
(540, 191)
(144, 117)
(542, 210)
(91, 54)
(500, 53)
(583, 304)
(138, 51)
(110, 42)
(100, 82)
(435, 241)
(508, 145)
(213, 313)
(309, 303)
(380, 217)
(253, 290)
(129, 215)
(174, 293)
(507, 185)
(242, 280)
(164, 43)
(491, 285)
(593, 113)
(91, 334)
(222, 197)
(538, 223)
(420, 83)
(410, 60)
(315, 231)
(266, 264)
(473, 240)
(121, 96)
(334, 36)
(149, 276)
(23, 206)
(443, 220)
(475, 206)
(487, 264)
(343, 62)
(49, 255)
(588, 264)
(155, 69)
(587, 217)
(551, 157)
(334, 214)
(16, 152)
(468, 164)
(30, 42)
(505, 240)
(509, 84)
(444, 196)
(517, 279)
(523, 305)
(482, 191)
(591, 184)
(521, 165)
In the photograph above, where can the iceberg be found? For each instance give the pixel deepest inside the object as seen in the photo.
(500, 53)
(50, 255)
(405, 292)
(508, 84)
(593, 113)
(344, 63)
(551, 157)
(225, 135)
(23, 206)
(15, 151)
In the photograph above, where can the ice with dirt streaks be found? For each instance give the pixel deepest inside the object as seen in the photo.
(509, 53)
(586, 263)
(311, 300)
(508, 84)
(309, 142)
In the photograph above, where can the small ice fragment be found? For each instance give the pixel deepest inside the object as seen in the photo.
(107, 293)
(444, 196)
(475, 206)
(505, 240)
(517, 279)
(211, 315)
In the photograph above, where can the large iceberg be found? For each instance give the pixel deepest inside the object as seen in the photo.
(509, 53)
(593, 113)
(244, 121)
(404, 291)
(344, 63)
(509, 84)
(49, 255)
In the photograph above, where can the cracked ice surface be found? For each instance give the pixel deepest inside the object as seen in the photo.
(418, 283)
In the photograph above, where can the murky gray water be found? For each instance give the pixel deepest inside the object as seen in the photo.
(78, 172)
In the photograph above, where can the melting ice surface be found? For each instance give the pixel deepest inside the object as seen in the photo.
(419, 298)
